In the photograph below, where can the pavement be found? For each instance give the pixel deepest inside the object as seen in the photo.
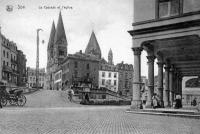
(49, 98)
(91, 120)
(49, 112)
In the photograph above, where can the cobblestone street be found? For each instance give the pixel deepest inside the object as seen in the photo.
(91, 120)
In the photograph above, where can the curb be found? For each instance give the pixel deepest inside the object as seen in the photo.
(166, 114)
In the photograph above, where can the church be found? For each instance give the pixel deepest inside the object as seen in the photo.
(67, 69)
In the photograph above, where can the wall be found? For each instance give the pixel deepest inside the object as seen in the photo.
(146, 9)
(143, 10)
(106, 78)
(191, 6)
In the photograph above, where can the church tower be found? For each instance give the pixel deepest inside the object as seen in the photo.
(93, 46)
(51, 45)
(56, 51)
(60, 42)
(110, 57)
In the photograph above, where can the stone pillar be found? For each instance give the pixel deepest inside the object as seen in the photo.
(160, 81)
(171, 86)
(136, 101)
(180, 86)
(150, 80)
(175, 81)
(180, 78)
(166, 91)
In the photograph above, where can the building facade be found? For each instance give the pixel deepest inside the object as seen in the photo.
(21, 68)
(9, 62)
(31, 77)
(108, 73)
(167, 30)
(56, 51)
(125, 78)
(80, 67)
(108, 78)
(58, 84)
(12, 63)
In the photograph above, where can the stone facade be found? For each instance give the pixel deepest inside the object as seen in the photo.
(108, 76)
(58, 84)
(125, 78)
(21, 67)
(31, 77)
(13, 63)
(164, 29)
(80, 67)
(56, 51)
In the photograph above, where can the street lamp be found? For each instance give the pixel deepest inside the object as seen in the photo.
(37, 59)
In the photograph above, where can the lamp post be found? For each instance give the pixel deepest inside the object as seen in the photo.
(37, 58)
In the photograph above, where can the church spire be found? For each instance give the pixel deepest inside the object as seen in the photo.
(51, 37)
(93, 46)
(110, 57)
(60, 30)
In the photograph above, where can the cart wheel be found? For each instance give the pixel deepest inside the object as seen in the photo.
(12, 102)
(21, 100)
(3, 101)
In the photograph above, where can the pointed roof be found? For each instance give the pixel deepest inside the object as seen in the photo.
(60, 30)
(93, 46)
(110, 52)
(110, 57)
(52, 35)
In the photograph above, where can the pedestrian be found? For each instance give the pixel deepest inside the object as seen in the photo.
(154, 101)
(178, 102)
(87, 98)
(70, 94)
(194, 102)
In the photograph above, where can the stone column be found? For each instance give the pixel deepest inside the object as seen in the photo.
(166, 91)
(160, 81)
(171, 86)
(136, 101)
(150, 79)
(175, 81)
(177, 84)
(180, 86)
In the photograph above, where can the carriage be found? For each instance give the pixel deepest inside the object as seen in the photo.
(14, 96)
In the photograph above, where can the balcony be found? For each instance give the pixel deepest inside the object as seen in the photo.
(13, 61)
(7, 69)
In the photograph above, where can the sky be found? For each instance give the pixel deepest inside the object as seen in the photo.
(110, 20)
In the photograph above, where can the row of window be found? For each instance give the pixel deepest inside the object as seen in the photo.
(125, 84)
(76, 65)
(12, 65)
(34, 78)
(9, 77)
(7, 55)
(34, 84)
(8, 44)
(76, 74)
(109, 74)
(108, 82)
(33, 74)
(107, 67)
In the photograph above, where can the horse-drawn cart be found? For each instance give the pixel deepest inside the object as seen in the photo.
(14, 96)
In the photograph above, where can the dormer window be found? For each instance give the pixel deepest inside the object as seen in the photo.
(167, 8)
